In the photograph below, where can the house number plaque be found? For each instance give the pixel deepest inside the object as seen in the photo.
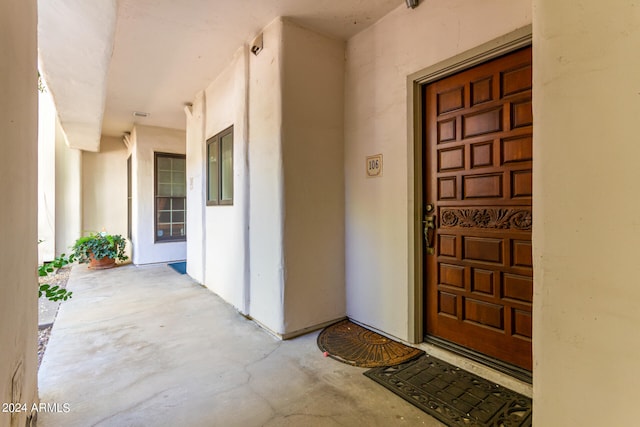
(374, 165)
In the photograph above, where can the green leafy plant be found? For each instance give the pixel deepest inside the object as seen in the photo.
(58, 262)
(54, 293)
(100, 245)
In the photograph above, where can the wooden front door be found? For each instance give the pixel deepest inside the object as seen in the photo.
(477, 192)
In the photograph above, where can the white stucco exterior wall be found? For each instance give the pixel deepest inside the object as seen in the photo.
(266, 182)
(146, 140)
(59, 185)
(378, 210)
(68, 189)
(18, 216)
(227, 226)
(46, 177)
(277, 253)
(196, 187)
(104, 189)
(313, 160)
(586, 226)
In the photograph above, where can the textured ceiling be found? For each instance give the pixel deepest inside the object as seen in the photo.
(162, 52)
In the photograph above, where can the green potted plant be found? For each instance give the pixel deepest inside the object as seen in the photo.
(100, 250)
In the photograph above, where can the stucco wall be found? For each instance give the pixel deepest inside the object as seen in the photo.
(104, 189)
(313, 160)
(586, 226)
(196, 187)
(46, 177)
(227, 227)
(245, 259)
(378, 210)
(266, 182)
(296, 199)
(146, 140)
(59, 185)
(18, 216)
(68, 193)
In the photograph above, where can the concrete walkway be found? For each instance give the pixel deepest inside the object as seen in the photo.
(146, 346)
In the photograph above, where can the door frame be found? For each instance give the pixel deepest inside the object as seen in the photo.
(510, 42)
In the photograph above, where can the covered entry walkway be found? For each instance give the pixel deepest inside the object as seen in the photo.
(146, 346)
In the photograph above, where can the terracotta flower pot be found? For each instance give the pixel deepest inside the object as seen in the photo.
(102, 263)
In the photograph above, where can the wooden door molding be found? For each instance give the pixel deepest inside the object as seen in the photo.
(415, 82)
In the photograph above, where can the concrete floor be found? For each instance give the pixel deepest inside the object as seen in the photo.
(146, 346)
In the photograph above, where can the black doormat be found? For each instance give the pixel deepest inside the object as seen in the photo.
(352, 344)
(454, 396)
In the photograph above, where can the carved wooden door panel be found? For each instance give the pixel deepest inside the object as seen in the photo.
(478, 170)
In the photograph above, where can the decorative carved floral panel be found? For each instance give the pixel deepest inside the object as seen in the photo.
(516, 219)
